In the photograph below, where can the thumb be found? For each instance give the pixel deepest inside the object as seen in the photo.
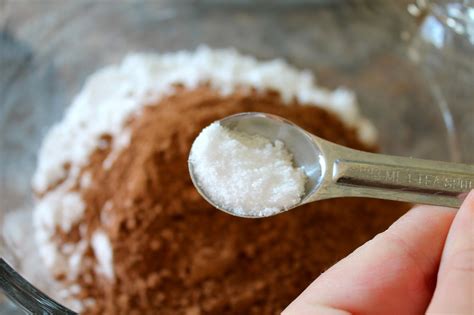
(454, 292)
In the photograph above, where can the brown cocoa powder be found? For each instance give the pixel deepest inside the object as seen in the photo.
(175, 254)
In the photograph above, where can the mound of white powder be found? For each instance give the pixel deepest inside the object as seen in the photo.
(116, 93)
(246, 174)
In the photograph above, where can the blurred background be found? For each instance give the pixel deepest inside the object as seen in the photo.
(409, 62)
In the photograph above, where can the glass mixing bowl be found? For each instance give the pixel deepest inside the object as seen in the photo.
(48, 48)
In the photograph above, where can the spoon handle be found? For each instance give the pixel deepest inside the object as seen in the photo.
(361, 174)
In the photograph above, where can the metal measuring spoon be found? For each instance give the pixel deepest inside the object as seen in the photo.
(336, 171)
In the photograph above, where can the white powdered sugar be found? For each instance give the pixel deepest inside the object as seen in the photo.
(68, 210)
(114, 94)
(103, 253)
(246, 174)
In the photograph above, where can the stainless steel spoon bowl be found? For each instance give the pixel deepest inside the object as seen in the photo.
(336, 171)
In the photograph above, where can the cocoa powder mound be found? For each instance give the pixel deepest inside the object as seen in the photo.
(175, 254)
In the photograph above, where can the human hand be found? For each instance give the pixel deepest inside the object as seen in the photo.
(423, 263)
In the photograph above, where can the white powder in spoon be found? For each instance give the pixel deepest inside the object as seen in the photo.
(246, 173)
